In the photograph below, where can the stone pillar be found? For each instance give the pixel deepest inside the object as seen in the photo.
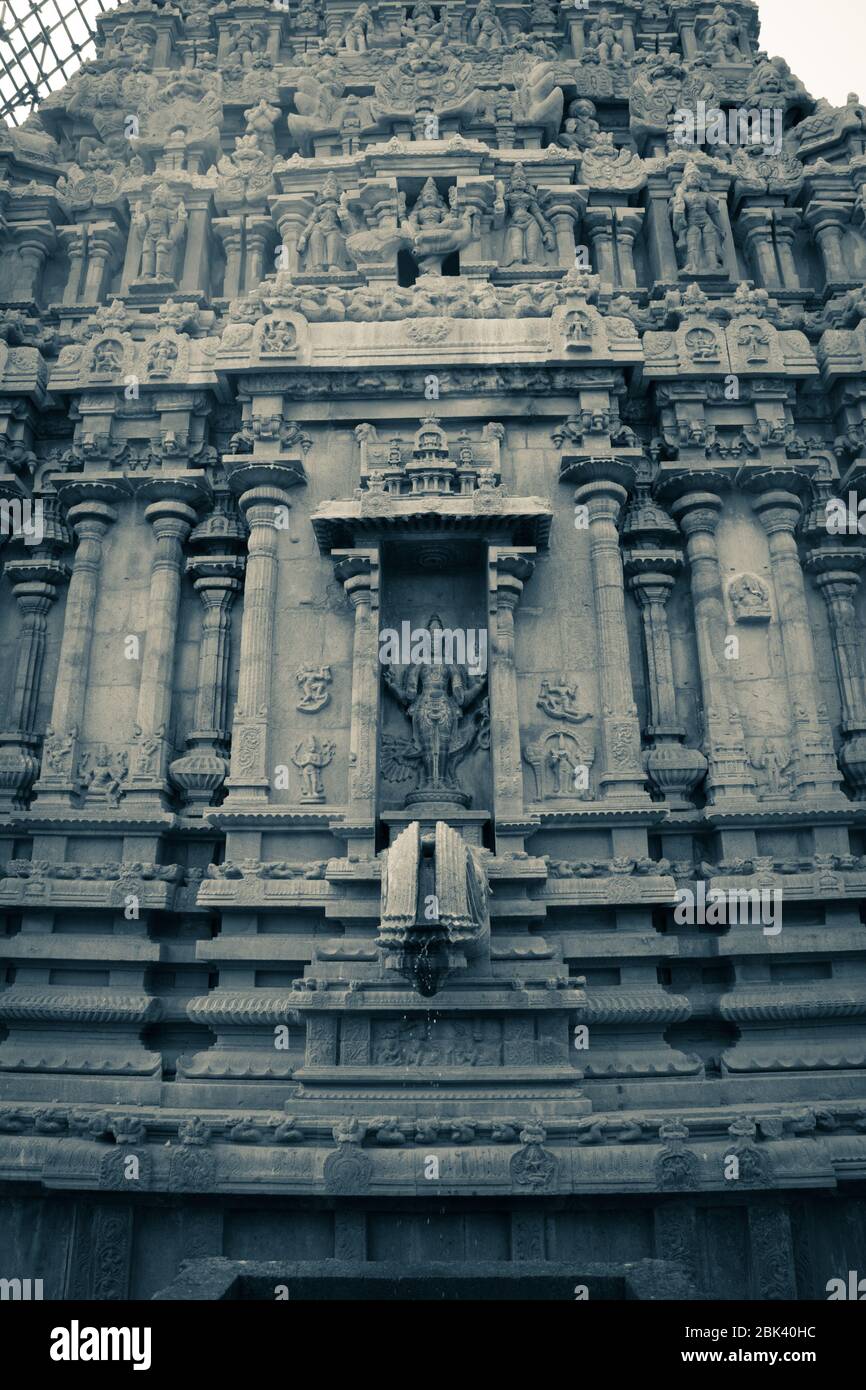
(674, 770)
(34, 584)
(194, 277)
(604, 492)
(172, 518)
(202, 770)
(358, 572)
(508, 570)
(262, 493)
(72, 240)
(663, 256)
(816, 772)
(259, 230)
(786, 222)
(730, 774)
(827, 222)
(90, 516)
(755, 226)
(563, 230)
(598, 224)
(33, 241)
(132, 259)
(104, 240)
(837, 575)
(628, 224)
(230, 232)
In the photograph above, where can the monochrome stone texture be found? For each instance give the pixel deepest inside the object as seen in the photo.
(433, 703)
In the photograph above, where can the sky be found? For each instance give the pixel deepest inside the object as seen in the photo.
(824, 43)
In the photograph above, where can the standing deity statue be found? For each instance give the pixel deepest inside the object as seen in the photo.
(435, 228)
(324, 236)
(722, 37)
(436, 696)
(528, 233)
(697, 222)
(356, 35)
(162, 227)
(604, 42)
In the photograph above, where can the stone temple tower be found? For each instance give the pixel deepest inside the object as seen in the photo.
(432, 673)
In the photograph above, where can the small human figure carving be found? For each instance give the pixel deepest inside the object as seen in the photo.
(722, 37)
(162, 228)
(357, 32)
(528, 233)
(103, 773)
(777, 772)
(436, 228)
(698, 225)
(559, 700)
(604, 41)
(750, 599)
(323, 238)
(581, 128)
(314, 682)
(310, 758)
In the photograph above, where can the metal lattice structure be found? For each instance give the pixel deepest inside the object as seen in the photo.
(41, 45)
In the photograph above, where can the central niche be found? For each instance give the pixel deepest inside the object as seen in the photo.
(434, 657)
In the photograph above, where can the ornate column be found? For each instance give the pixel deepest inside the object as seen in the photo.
(755, 226)
(598, 224)
(34, 584)
(652, 562)
(172, 518)
(34, 241)
(604, 491)
(815, 771)
(508, 568)
(660, 237)
(104, 240)
(358, 572)
(194, 275)
(730, 774)
(837, 563)
(230, 231)
(827, 222)
(72, 239)
(629, 222)
(217, 578)
(262, 491)
(259, 230)
(786, 223)
(90, 515)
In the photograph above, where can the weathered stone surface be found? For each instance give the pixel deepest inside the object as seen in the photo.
(432, 686)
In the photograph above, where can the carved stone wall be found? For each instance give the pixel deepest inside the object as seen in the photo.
(412, 418)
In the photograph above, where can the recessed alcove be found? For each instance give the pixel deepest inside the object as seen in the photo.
(423, 577)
